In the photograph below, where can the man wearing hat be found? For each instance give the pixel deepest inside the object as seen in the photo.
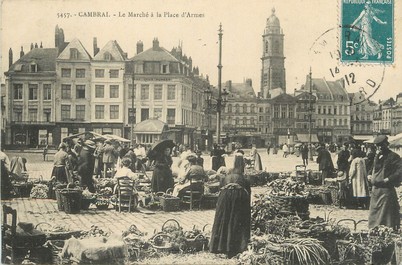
(385, 176)
(86, 163)
(110, 155)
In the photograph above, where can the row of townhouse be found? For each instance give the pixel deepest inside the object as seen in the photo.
(56, 92)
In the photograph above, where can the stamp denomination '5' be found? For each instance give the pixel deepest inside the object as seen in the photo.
(367, 32)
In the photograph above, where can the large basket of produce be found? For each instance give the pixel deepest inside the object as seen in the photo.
(315, 177)
(334, 194)
(103, 198)
(291, 204)
(22, 188)
(39, 191)
(71, 198)
(59, 199)
(162, 242)
(195, 240)
(169, 203)
(57, 232)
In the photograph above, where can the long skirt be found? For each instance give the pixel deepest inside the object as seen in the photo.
(162, 178)
(231, 229)
(384, 208)
(257, 162)
(61, 174)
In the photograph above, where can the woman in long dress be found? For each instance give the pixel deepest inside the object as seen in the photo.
(358, 180)
(257, 158)
(231, 229)
(61, 162)
(162, 177)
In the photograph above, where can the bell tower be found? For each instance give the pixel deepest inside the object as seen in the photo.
(273, 60)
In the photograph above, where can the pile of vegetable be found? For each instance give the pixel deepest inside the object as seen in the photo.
(39, 191)
(287, 187)
(94, 231)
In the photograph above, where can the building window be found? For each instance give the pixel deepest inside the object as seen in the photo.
(229, 108)
(99, 73)
(17, 91)
(340, 122)
(260, 110)
(66, 91)
(99, 111)
(114, 73)
(80, 112)
(171, 116)
(99, 91)
(157, 113)
(165, 68)
(252, 121)
(33, 92)
(237, 108)
(47, 91)
(319, 110)
(244, 110)
(252, 109)
(65, 72)
(144, 91)
(171, 92)
(33, 68)
(131, 116)
(244, 120)
(33, 115)
(266, 46)
(73, 53)
(46, 114)
(158, 92)
(335, 122)
(107, 56)
(329, 110)
(114, 91)
(65, 112)
(80, 73)
(114, 112)
(17, 115)
(130, 91)
(291, 113)
(260, 118)
(80, 91)
(283, 112)
(324, 110)
(335, 108)
(144, 114)
(345, 121)
(276, 111)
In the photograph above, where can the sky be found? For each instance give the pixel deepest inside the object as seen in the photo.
(304, 23)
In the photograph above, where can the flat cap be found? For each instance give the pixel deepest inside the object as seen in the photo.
(380, 138)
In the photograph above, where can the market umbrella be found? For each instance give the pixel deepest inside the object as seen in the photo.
(395, 140)
(116, 137)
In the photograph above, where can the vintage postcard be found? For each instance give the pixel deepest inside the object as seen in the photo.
(93, 91)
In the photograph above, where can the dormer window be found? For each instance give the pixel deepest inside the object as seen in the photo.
(165, 68)
(33, 67)
(107, 56)
(73, 53)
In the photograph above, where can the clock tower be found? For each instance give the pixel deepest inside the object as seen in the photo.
(273, 60)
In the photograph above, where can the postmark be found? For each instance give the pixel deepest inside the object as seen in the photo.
(367, 32)
(326, 55)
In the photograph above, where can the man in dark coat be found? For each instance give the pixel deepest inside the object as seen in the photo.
(304, 154)
(343, 159)
(86, 163)
(325, 164)
(385, 176)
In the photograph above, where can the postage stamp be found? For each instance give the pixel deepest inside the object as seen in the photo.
(367, 31)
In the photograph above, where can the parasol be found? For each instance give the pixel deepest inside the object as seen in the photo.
(162, 145)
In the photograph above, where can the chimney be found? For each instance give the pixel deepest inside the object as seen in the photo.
(249, 82)
(32, 46)
(190, 62)
(36, 45)
(41, 46)
(10, 58)
(95, 46)
(125, 55)
(229, 85)
(155, 44)
(207, 77)
(140, 47)
(56, 36)
(22, 52)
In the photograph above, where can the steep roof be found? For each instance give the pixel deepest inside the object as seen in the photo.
(331, 90)
(151, 126)
(45, 58)
(240, 91)
(114, 49)
(83, 55)
(155, 54)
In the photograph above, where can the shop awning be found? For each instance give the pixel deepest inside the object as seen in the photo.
(304, 138)
(151, 126)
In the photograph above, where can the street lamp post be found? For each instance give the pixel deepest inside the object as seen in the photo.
(310, 113)
(132, 105)
(219, 100)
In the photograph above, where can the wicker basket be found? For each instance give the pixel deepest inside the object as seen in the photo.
(326, 197)
(199, 243)
(170, 203)
(71, 200)
(292, 204)
(161, 242)
(334, 195)
(350, 252)
(315, 178)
